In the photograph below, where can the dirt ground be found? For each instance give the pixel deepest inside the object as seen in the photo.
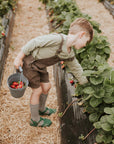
(30, 22)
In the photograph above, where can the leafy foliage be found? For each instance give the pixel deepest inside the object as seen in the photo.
(5, 5)
(98, 93)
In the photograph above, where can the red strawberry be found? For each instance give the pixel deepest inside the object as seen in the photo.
(19, 86)
(21, 83)
(51, 20)
(15, 83)
(3, 34)
(13, 9)
(62, 66)
(75, 86)
(61, 62)
(50, 13)
(12, 86)
(71, 81)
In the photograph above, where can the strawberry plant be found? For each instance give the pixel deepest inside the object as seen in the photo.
(44, 1)
(97, 96)
(111, 1)
(2, 34)
(64, 12)
(5, 5)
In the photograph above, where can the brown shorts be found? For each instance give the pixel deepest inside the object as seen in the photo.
(34, 71)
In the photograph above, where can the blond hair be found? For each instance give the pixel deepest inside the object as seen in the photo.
(81, 24)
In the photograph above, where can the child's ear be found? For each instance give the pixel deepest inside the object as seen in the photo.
(81, 34)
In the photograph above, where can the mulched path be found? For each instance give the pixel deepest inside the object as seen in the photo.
(30, 22)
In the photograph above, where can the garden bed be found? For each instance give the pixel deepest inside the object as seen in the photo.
(7, 22)
(74, 122)
(109, 6)
(95, 97)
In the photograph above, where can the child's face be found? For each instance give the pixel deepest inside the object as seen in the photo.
(80, 41)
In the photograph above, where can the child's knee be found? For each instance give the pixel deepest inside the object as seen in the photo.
(46, 88)
(37, 91)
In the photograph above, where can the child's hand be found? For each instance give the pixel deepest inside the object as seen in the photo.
(18, 62)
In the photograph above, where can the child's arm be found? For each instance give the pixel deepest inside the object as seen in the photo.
(19, 60)
(76, 70)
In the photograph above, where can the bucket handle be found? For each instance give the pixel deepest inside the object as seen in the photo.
(20, 69)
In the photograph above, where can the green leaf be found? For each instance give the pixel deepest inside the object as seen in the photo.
(99, 93)
(99, 138)
(100, 46)
(112, 77)
(106, 81)
(93, 117)
(109, 110)
(107, 50)
(113, 132)
(88, 72)
(94, 102)
(96, 80)
(79, 90)
(107, 139)
(98, 58)
(101, 68)
(88, 90)
(110, 119)
(80, 50)
(108, 90)
(109, 99)
(97, 125)
(90, 109)
(60, 114)
(103, 119)
(81, 137)
(106, 126)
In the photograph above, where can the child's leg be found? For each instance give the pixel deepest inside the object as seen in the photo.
(43, 97)
(34, 103)
(42, 101)
(36, 120)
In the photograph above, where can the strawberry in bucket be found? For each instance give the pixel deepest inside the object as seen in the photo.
(17, 85)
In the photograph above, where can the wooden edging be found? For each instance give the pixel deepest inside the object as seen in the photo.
(109, 7)
(74, 122)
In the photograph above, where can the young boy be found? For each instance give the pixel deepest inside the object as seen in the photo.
(44, 51)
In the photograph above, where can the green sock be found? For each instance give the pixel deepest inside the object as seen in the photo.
(42, 102)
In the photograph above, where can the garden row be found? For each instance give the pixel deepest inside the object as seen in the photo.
(6, 23)
(97, 96)
(109, 4)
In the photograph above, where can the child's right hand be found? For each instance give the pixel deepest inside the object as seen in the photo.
(18, 62)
